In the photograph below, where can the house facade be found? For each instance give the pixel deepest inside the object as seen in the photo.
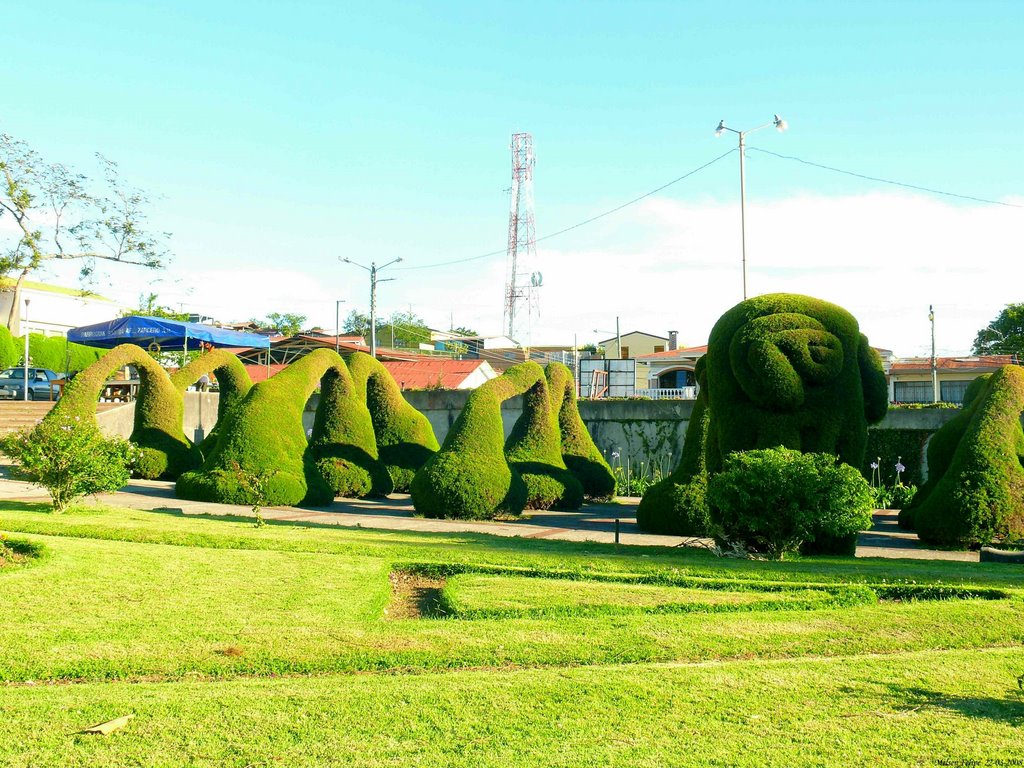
(53, 310)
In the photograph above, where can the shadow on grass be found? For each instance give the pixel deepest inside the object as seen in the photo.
(26, 506)
(1009, 710)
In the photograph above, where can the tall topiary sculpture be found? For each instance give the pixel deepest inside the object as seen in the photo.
(676, 505)
(405, 439)
(166, 452)
(263, 436)
(534, 450)
(975, 490)
(579, 453)
(792, 371)
(469, 477)
(343, 444)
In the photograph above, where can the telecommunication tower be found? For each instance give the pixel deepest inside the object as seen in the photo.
(523, 281)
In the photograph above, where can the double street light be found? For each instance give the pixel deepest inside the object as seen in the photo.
(373, 269)
(780, 125)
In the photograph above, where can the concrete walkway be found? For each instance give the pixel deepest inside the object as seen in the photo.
(596, 522)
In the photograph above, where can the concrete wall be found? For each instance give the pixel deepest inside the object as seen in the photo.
(200, 407)
(640, 431)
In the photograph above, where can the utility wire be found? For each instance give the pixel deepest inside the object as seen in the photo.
(883, 181)
(579, 224)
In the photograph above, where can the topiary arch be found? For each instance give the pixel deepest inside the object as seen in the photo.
(580, 454)
(405, 439)
(262, 437)
(166, 452)
(233, 384)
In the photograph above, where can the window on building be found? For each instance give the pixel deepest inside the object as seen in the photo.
(625, 353)
(659, 347)
(913, 392)
(952, 391)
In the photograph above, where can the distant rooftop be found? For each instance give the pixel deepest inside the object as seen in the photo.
(8, 283)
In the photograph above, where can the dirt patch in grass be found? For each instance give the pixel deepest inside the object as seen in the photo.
(414, 596)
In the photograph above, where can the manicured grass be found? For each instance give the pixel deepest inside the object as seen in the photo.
(240, 646)
(479, 596)
(914, 709)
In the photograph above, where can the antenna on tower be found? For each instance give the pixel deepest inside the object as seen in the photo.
(523, 281)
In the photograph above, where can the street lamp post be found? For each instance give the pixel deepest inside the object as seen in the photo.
(373, 269)
(935, 367)
(780, 125)
(618, 337)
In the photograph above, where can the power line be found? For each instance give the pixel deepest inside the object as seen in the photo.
(579, 224)
(883, 181)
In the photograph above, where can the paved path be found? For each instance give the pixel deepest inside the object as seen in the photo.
(596, 522)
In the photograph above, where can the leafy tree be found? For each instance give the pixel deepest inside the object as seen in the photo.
(149, 307)
(400, 329)
(58, 214)
(464, 331)
(1004, 335)
(288, 323)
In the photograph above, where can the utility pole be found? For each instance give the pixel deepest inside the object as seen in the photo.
(618, 338)
(373, 269)
(935, 368)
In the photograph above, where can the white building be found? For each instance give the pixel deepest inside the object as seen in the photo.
(53, 310)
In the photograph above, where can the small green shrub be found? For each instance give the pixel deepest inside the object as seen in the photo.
(773, 501)
(70, 458)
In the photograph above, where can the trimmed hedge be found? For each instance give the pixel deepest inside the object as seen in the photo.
(263, 436)
(890, 445)
(792, 371)
(405, 439)
(469, 477)
(9, 354)
(975, 494)
(677, 504)
(166, 452)
(580, 454)
(534, 450)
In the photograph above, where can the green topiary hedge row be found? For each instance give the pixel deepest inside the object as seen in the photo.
(887, 446)
(53, 352)
(975, 490)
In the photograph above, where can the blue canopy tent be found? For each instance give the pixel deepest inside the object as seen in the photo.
(169, 334)
(165, 334)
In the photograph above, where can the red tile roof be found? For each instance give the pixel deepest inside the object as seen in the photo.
(419, 374)
(977, 363)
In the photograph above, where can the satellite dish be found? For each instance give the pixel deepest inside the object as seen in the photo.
(536, 279)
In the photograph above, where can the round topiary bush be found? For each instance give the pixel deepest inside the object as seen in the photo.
(777, 501)
(975, 491)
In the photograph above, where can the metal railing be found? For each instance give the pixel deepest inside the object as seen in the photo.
(680, 393)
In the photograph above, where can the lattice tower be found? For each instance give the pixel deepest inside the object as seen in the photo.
(522, 277)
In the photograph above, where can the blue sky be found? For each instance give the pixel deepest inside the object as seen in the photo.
(279, 136)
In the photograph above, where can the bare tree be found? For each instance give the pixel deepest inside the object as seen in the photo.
(58, 215)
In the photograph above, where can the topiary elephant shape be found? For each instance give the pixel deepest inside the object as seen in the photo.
(793, 371)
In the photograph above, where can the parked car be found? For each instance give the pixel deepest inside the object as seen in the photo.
(12, 384)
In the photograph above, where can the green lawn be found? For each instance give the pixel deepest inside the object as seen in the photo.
(243, 646)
